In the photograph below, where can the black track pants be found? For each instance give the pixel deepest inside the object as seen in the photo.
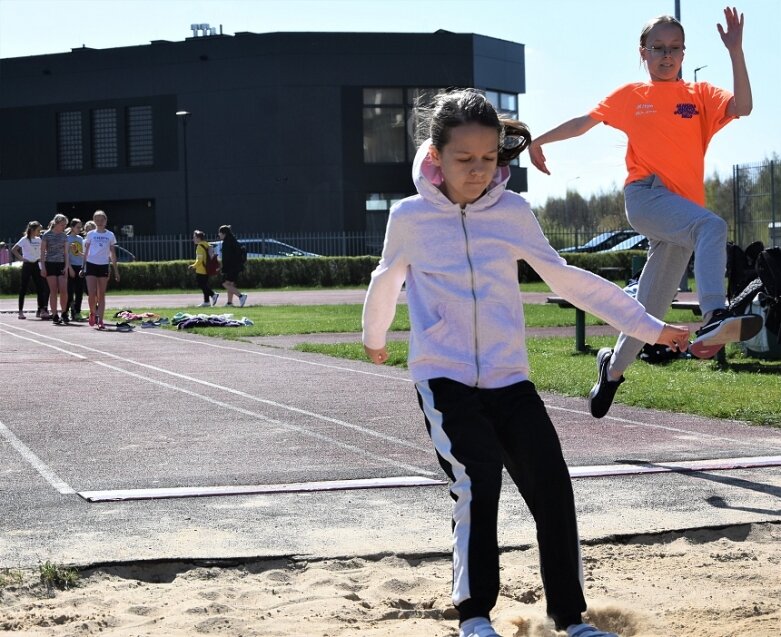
(476, 432)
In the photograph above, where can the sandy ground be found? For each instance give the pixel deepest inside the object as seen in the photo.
(704, 583)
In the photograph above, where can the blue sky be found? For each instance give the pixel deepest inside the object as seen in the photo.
(576, 53)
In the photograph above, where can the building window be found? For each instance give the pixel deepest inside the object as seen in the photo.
(70, 153)
(506, 104)
(140, 142)
(391, 124)
(378, 207)
(105, 152)
(384, 129)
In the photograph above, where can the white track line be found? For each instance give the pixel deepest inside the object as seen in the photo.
(39, 465)
(254, 414)
(617, 419)
(115, 495)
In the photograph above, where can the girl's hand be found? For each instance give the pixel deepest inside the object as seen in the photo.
(676, 337)
(377, 356)
(733, 36)
(82, 273)
(537, 157)
(116, 275)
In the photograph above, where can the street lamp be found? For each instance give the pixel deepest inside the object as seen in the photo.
(184, 116)
(699, 68)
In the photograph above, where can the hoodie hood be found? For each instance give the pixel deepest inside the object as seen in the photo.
(428, 178)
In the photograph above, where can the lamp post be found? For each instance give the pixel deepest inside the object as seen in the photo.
(184, 116)
(566, 204)
(699, 68)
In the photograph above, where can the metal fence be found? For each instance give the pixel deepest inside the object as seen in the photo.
(171, 247)
(756, 192)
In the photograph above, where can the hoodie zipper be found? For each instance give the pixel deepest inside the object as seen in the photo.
(474, 293)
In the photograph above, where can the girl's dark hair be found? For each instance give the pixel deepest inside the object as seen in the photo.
(465, 106)
(662, 19)
(226, 230)
(32, 226)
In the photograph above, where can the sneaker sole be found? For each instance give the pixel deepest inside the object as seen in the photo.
(700, 350)
(731, 330)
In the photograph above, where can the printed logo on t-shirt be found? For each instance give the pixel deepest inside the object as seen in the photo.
(687, 111)
(644, 109)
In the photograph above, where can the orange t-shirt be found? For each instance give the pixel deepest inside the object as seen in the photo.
(669, 126)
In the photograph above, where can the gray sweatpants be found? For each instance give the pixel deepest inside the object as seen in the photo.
(675, 228)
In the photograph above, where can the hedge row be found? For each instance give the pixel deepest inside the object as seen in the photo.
(297, 271)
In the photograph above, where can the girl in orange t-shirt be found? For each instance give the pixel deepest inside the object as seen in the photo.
(669, 124)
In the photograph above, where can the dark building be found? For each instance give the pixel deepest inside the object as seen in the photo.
(283, 132)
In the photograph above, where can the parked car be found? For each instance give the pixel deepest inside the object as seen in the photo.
(602, 241)
(638, 242)
(265, 248)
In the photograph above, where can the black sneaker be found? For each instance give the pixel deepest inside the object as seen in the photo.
(722, 328)
(602, 393)
(56, 319)
(65, 318)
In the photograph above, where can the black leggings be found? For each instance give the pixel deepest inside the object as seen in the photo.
(76, 286)
(32, 270)
(203, 283)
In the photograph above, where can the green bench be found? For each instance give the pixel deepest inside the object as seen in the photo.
(580, 316)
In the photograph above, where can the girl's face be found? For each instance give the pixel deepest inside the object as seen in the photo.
(663, 52)
(76, 228)
(100, 221)
(467, 162)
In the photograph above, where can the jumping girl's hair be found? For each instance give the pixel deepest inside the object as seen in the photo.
(226, 230)
(32, 227)
(465, 106)
(199, 234)
(662, 19)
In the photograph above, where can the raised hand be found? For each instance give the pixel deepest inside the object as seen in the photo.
(733, 36)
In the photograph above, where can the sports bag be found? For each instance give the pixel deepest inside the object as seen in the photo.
(212, 262)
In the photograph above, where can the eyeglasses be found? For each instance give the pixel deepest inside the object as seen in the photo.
(662, 51)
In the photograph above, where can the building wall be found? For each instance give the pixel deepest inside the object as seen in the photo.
(274, 139)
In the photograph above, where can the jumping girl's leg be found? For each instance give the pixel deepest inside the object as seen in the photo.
(533, 457)
(662, 215)
(656, 290)
(468, 451)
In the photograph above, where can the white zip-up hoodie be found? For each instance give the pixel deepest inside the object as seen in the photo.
(461, 273)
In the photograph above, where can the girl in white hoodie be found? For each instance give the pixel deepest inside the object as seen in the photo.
(456, 245)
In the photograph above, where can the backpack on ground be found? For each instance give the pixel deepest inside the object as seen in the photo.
(212, 263)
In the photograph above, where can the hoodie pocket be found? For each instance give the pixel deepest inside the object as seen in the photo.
(452, 337)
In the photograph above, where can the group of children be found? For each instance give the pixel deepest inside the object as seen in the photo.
(61, 260)
(455, 246)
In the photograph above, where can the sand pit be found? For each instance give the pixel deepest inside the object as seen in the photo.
(703, 583)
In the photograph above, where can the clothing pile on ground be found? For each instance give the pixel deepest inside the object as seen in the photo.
(184, 321)
(126, 320)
